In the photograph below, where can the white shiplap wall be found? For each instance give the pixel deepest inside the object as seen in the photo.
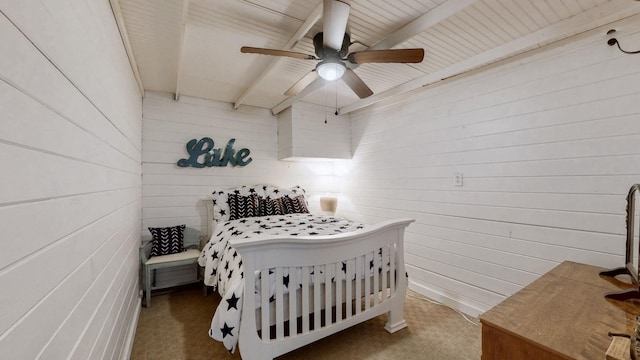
(547, 144)
(313, 131)
(173, 195)
(70, 184)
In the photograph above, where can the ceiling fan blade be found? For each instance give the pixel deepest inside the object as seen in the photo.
(356, 84)
(387, 56)
(302, 83)
(335, 14)
(293, 54)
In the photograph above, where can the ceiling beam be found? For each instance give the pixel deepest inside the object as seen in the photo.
(183, 34)
(588, 20)
(311, 20)
(425, 21)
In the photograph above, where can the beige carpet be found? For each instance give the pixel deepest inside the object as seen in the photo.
(176, 327)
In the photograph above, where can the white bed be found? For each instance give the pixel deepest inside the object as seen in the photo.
(364, 266)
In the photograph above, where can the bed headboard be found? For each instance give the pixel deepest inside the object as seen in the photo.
(208, 202)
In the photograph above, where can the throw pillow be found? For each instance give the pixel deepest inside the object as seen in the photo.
(294, 205)
(167, 240)
(241, 207)
(270, 206)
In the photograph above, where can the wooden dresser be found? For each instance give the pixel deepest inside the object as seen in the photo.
(562, 315)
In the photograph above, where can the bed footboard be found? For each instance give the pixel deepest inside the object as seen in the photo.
(339, 281)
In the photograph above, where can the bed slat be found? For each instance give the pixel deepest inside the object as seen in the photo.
(327, 293)
(264, 303)
(305, 300)
(367, 283)
(358, 297)
(279, 304)
(317, 279)
(338, 297)
(348, 288)
(383, 273)
(376, 277)
(392, 269)
(293, 301)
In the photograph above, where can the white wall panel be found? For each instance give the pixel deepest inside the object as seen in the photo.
(172, 195)
(547, 145)
(70, 198)
(308, 130)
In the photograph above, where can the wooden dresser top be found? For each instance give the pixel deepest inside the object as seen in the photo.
(564, 312)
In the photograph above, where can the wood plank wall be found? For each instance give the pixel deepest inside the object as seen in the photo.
(547, 145)
(173, 195)
(308, 130)
(70, 184)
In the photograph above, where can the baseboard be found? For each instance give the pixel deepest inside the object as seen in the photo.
(432, 294)
(131, 333)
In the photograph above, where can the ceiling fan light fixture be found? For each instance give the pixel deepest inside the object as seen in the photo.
(331, 70)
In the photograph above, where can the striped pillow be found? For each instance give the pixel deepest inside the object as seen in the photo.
(283, 205)
(241, 207)
(270, 207)
(167, 240)
(295, 205)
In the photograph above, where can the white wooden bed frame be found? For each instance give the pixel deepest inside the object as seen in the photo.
(377, 293)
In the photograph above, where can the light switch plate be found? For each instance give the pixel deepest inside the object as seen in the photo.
(457, 179)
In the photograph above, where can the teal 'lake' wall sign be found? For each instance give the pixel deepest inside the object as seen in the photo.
(202, 153)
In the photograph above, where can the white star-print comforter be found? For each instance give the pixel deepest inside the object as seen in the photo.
(223, 265)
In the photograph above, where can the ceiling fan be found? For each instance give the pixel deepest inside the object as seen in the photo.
(332, 49)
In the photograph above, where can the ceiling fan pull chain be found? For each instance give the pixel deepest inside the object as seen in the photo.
(324, 108)
(336, 113)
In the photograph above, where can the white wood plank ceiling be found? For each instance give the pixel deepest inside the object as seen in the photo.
(192, 47)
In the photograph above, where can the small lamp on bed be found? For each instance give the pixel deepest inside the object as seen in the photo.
(329, 199)
(328, 204)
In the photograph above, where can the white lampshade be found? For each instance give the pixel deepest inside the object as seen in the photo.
(330, 71)
(328, 204)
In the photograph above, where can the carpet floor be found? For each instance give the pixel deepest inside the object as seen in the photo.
(176, 327)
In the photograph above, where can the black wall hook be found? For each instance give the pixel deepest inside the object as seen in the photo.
(614, 41)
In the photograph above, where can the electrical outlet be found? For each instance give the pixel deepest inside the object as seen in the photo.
(457, 179)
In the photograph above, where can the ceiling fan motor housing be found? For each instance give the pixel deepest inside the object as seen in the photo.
(328, 53)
